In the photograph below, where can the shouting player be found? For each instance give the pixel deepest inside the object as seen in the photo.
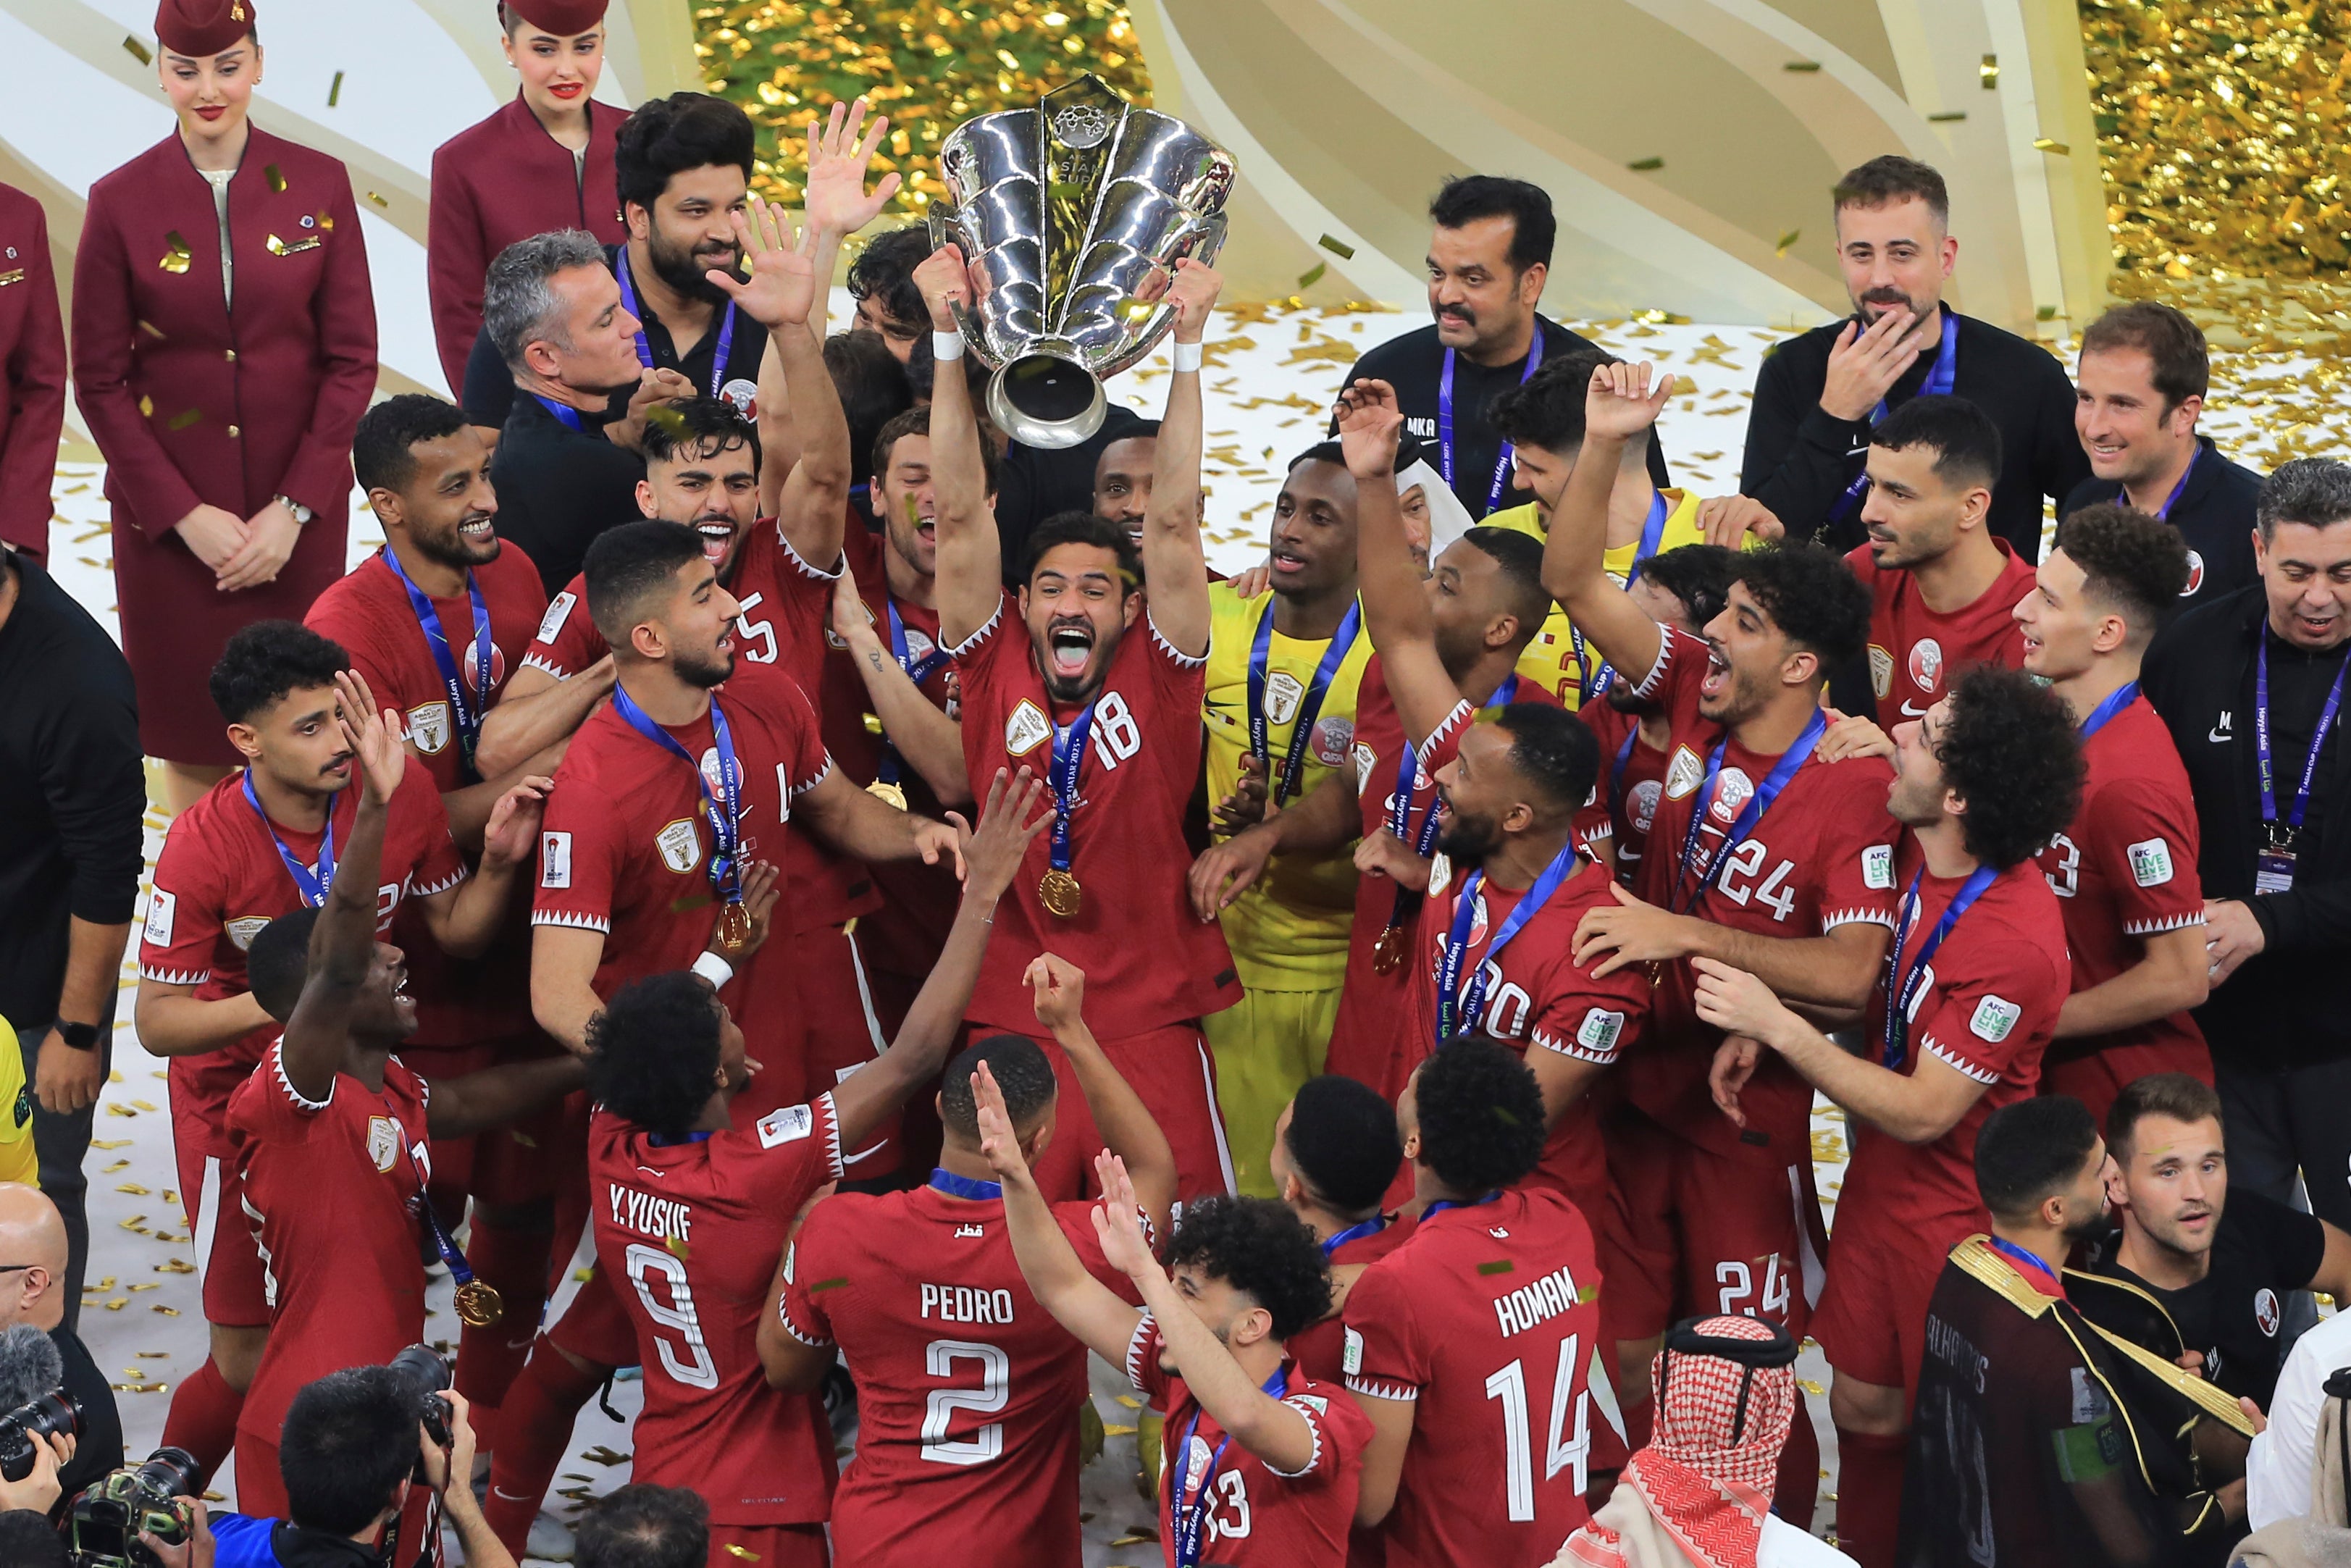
(968, 1390)
(1080, 676)
(2124, 870)
(261, 844)
(1472, 1346)
(1968, 999)
(1760, 855)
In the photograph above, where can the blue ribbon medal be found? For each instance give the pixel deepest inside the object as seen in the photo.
(1058, 889)
(1444, 424)
(890, 768)
(467, 717)
(1939, 383)
(1901, 983)
(1653, 534)
(725, 818)
(1684, 897)
(719, 357)
(1285, 789)
(312, 884)
(1463, 1015)
(1190, 1497)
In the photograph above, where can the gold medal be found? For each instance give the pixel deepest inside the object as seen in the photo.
(479, 1306)
(734, 926)
(1059, 893)
(1387, 953)
(888, 793)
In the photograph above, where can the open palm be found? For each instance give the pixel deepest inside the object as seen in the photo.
(835, 199)
(781, 289)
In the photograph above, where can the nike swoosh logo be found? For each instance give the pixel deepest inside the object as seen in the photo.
(1909, 712)
(2217, 735)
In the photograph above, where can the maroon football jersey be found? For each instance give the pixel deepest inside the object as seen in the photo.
(220, 880)
(1915, 653)
(1149, 961)
(1821, 857)
(1487, 1318)
(1631, 781)
(334, 1188)
(1319, 1349)
(689, 1233)
(968, 1391)
(567, 641)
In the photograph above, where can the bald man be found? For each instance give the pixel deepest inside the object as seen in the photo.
(33, 1291)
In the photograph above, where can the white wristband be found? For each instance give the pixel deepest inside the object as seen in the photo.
(946, 346)
(715, 969)
(1188, 356)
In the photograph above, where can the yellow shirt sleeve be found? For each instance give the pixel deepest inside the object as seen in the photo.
(18, 1160)
(1554, 659)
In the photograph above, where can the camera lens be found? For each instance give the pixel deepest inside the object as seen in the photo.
(52, 1414)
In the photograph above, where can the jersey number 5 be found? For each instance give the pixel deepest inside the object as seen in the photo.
(1561, 1450)
(694, 1367)
(985, 1444)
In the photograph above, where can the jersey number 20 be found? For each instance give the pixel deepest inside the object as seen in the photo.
(1563, 1448)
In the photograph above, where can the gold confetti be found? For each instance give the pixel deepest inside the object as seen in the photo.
(142, 1387)
(180, 420)
(141, 1104)
(117, 1165)
(167, 1311)
(1948, 117)
(335, 90)
(1787, 239)
(602, 1455)
(176, 1266)
(176, 255)
(378, 200)
(1803, 67)
(133, 1223)
(1988, 72)
(137, 50)
(109, 1143)
(2050, 144)
(1313, 274)
(275, 175)
(1813, 1387)
(146, 411)
(1128, 1400)
(1112, 1429)
(745, 1552)
(1337, 247)
(1646, 165)
(132, 1188)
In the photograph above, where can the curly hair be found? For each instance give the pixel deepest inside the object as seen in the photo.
(885, 270)
(670, 135)
(268, 659)
(1481, 1114)
(2010, 754)
(1018, 1066)
(1698, 575)
(1260, 1249)
(697, 428)
(382, 448)
(2313, 491)
(2134, 563)
(653, 1052)
(1812, 596)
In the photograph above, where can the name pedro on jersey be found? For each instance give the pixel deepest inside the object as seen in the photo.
(965, 1304)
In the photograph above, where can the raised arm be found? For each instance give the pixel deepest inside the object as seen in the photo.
(1620, 404)
(1396, 604)
(1175, 563)
(1057, 1277)
(991, 858)
(930, 742)
(497, 1095)
(970, 558)
(343, 944)
(1128, 1130)
(465, 919)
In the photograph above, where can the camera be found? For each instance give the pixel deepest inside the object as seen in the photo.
(51, 1416)
(104, 1522)
(426, 1374)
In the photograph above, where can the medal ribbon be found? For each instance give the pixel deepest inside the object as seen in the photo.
(1442, 1204)
(1444, 424)
(1653, 534)
(726, 819)
(1749, 815)
(2117, 700)
(1372, 1227)
(563, 412)
(1939, 382)
(1616, 775)
(1310, 707)
(1400, 819)
(1901, 994)
(463, 714)
(891, 767)
(1471, 1009)
(2026, 1261)
(955, 1186)
(2261, 745)
(2163, 513)
(1188, 1506)
(311, 885)
(461, 1273)
(645, 350)
(1069, 759)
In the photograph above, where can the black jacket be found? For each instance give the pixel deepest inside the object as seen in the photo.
(1800, 460)
(559, 488)
(2283, 1006)
(2214, 515)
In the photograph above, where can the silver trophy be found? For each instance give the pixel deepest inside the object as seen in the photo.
(1070, 216)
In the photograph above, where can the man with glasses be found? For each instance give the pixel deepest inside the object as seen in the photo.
(33, 1291)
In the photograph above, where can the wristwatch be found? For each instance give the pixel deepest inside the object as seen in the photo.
(80, 1036)
(301, 513)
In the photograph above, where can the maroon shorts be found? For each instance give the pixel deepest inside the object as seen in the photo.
(1872, 1321)
(842, 1021)
(228, 1257)
(595, 1327)
(1701, 1231)
(1174, 1073)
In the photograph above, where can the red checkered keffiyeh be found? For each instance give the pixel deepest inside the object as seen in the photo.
(1694, 1496)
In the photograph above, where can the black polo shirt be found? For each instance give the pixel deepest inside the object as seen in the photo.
(2214, 515)
(489, 391)
(559, 488)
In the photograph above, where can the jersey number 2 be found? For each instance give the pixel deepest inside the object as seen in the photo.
(985, 1444)
(694, 1367)
(1561, 1449)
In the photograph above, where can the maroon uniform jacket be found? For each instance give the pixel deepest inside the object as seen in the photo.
(33, 353)
(503, 180)
(193, 403)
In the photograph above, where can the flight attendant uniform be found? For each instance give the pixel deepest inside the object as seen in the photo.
(506, 179)
(33, 358)
(225, 347)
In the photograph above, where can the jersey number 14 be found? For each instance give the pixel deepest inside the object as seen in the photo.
(1563, 1450)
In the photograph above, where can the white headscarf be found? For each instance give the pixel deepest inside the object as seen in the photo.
(1449, 519)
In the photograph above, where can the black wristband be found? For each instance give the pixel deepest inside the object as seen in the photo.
(80, 1036)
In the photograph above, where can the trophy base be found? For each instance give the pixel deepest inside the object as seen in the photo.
(1047, 402)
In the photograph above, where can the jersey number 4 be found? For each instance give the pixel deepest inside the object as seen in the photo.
(689, 1361)
(1563, 1450)
(985, 1444)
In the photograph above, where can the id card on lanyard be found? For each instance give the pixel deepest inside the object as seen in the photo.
(2273, 862)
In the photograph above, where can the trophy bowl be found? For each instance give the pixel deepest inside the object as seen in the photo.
(1071, 217)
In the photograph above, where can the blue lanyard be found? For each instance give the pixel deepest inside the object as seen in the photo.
(2262, 741)
(1189, 1516)
(955, 1186)
(312, 885)
(1940, 383)
(1902, 992)
(464, 715)
(664, 1141)
(1442, 1204)
(1617, 774)
(1444, 424)
(889, 769)
(461, 1273)
(1310, 707)
(2163, 513)
(1653, 534)
(2019, 1256)
(1504, 695)
(645, 350)
(563, 412)
(726, 819)
(1749, 815)
(1470, 1009)
(2117, 700)
(1069, 758)
(1372, 1227)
